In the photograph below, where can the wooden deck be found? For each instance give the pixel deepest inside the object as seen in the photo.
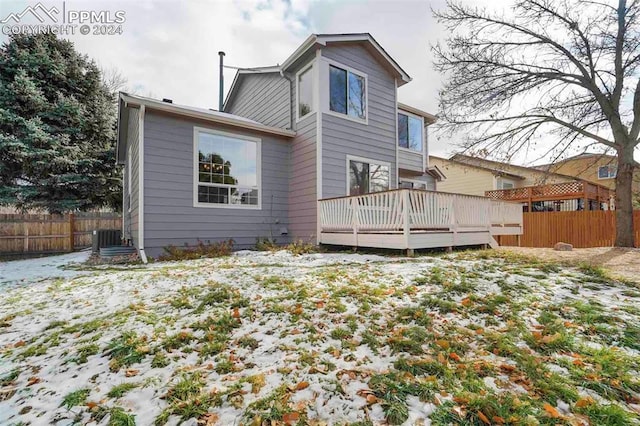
(414, 219)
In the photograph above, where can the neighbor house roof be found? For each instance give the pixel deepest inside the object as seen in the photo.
(462, 158)
(499, 167)
(127, 100)
(585, 155)
(494, 171)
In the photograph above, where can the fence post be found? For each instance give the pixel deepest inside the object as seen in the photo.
(72, 225)
(25, 232)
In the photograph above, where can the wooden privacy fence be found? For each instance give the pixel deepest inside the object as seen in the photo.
(45, 233)
(580, 228)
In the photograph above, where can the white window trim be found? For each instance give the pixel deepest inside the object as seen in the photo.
(364, 160)
(309, 66)
(414, 181)
(129, 179)
(608, 172)
(401, 148)
(257, 141)
(327, 108)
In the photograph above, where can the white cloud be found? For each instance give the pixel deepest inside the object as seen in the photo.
(169, 49)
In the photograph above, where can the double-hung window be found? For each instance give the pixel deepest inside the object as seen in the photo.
(607, 172)
(367, 176)
(347, 93)
(410, 132)
(227, 170)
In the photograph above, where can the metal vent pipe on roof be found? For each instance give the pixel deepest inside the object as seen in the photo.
(221, 94)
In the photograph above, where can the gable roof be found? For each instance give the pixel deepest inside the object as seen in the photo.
(240, 73)
(323, 39)
(126, 101)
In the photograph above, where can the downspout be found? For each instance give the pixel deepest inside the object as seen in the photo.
(291, 103)
(221, 90)
(143, 255)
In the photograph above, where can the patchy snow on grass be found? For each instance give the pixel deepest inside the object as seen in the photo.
(327, 338)
(27, 271)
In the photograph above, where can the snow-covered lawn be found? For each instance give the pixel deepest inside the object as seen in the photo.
(272, 338)
(31, 270)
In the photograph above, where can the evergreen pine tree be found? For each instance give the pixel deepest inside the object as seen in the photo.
(57, 128)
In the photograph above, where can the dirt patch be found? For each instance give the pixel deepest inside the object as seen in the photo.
(624, 263)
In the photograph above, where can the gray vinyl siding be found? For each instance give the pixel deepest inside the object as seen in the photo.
(341, 137)
(303, 193)
(263, 98)
(301, 63)
(130, 216)
(170, 216)
(302, 182)
(413, 161)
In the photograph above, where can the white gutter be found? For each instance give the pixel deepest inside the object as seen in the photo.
(310, 41)
(143, 255)
(203, 115)
(429, 117)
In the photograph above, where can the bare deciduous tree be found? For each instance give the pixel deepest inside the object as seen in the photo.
(114, 80)
(561, 70)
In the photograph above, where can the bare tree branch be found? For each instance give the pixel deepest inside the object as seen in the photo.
(559, 69)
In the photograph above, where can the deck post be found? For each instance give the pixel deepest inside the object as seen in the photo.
(454, 220)
(354, 220)
(406, 217)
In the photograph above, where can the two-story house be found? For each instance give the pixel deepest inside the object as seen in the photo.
(475, 176)
(325, 123)
(597, 168)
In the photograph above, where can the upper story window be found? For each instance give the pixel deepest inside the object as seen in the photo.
(305, 92)
(367, 176)
(347, 92)
(505, 184)
(410, 132)
(607, 172)
(228, 170)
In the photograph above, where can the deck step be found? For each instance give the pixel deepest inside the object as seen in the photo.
(493, 243)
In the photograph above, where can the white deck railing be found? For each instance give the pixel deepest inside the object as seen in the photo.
(406, 210)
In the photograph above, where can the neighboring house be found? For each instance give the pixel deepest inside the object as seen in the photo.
(538, 190)
(474, 176)
(325, 123)
(596, 168)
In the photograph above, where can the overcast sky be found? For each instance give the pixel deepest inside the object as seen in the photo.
(169, 49)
